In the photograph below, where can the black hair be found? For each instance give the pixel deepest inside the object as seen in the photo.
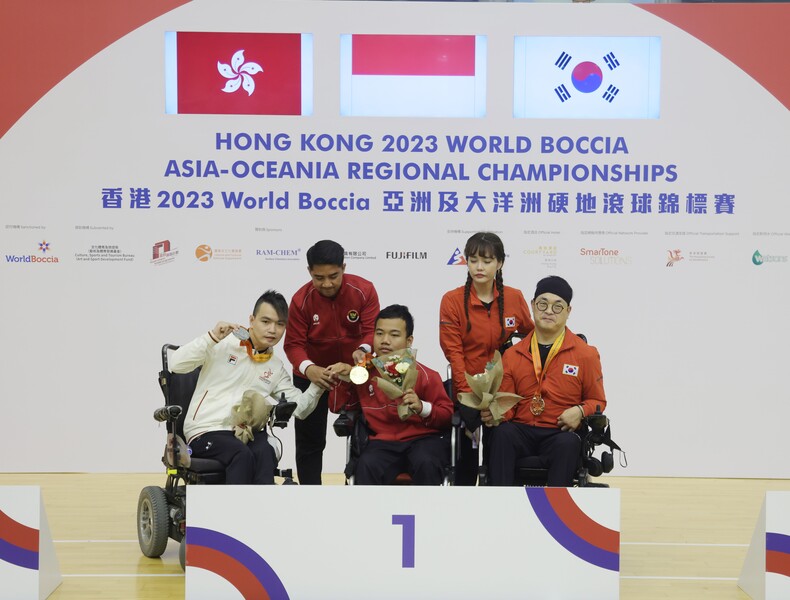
(325, 252)
(276, 300)
(487, 245)
(398, 311)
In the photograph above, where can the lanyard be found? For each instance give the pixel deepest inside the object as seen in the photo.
(260, 356)
(540, 370)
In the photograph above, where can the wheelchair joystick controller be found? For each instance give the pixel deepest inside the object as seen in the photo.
(167, 413)
(283, 411)
(597, 422)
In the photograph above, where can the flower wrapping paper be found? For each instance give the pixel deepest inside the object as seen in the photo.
(485, 392)
(397, 373)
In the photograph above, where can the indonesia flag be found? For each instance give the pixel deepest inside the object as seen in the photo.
(412, 75)
(587, 77)
(238, 73)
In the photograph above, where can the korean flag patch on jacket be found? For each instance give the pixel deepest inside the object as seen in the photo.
(571, 370)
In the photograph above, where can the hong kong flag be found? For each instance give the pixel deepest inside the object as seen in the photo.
(412, 75)
(238, 73)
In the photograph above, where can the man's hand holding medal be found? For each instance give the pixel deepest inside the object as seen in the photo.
(397, 376)
(357, 374)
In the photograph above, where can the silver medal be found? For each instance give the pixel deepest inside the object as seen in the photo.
(242, 334)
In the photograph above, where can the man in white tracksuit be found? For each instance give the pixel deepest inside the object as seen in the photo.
(231, 367)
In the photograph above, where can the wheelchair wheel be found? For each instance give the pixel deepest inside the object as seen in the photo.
(152, 521)
(182, 554)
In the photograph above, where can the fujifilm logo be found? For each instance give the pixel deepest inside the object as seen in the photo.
(406, 255)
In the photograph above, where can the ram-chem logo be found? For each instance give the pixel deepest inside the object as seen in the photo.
(239, 73)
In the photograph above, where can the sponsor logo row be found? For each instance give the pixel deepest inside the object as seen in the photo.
(163, 252)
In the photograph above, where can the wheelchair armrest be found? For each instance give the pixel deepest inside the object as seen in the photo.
(167, 413)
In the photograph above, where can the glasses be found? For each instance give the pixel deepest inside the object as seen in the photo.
(543, 306)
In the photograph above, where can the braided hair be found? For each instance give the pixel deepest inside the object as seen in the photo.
(487, 245)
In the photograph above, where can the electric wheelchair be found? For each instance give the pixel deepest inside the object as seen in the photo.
(594, 432)
(161, 511)
(352, 426)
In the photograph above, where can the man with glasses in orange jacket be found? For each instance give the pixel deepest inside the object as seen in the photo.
(560, 381)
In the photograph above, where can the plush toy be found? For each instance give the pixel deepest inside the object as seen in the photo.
(250, 415)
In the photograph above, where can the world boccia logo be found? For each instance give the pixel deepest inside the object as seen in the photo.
(203, 253)
(587, 77)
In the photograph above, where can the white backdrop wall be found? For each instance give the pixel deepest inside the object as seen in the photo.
(693, 354)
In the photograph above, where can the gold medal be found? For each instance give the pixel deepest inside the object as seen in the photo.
(536, 405)
(358, 374)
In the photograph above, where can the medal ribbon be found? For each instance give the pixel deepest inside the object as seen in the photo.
(540, 370)
(260, 357)
(367, 361)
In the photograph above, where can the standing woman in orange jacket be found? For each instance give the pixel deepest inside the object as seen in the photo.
(475, 320)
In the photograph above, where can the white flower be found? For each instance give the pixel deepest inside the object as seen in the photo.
(402, 367)
(239, 73)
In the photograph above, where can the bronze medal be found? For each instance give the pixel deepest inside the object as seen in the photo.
(358, 374)
(536, 405)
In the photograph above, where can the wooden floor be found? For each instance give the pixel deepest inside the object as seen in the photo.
(680, 538)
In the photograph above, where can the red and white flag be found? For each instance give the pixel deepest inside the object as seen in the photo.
(238, 73)
(412, 75)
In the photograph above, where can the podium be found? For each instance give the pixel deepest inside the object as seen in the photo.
(296, 542)
(28, 565)
(766, 570)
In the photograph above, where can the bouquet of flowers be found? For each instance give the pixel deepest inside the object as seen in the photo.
(249, 416)
(485, 390)
(398, 372)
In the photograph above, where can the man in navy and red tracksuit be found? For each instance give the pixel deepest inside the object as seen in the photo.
(330, 320)
(418, 445)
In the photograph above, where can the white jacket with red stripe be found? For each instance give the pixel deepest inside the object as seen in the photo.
(227, 373)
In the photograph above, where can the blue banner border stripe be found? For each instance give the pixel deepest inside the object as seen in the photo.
(777, 542)
(20, 557)
(567, 538)
(255, 564)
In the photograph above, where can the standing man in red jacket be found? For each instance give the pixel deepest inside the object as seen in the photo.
(330, 320)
